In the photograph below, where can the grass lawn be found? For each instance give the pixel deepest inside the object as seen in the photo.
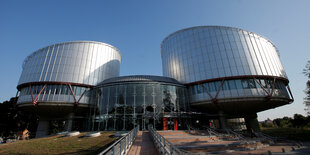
(60, 145)
(302, 134)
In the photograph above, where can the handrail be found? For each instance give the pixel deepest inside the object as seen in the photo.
(121, 146)
(163, 145)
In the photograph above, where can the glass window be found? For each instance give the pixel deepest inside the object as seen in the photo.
(269, 83)
(256, 83)
(251, 83)
(58, 87)
(65, 90)
(195, 89)
(53, 87)
(232, 84)
(225, 86)
(78, 91)
(206, 87)
(245, 84)
(211, 86)
(277, 85)
(47, 89)
(82, 90)
(262, 81)
(199, 89)
(217, 85)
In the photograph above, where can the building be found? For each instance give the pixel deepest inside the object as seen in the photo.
(56, 80)
(127, 101)
(213, 76)
(228, 71)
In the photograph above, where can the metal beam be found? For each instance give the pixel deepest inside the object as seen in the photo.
(219, 89)
(53, 82)
(289, 90)
(76, 103)
(261, 86)
(35, 101)
(206, 91)
(72, 93)
(238, 77)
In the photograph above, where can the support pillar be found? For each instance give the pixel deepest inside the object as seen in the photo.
(223, 120)
(42, 129)
(68, 126)
(251, 122)
(165, 123)
(175, 124)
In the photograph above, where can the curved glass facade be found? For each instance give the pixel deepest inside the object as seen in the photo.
(122, 105)
(237, 88)
(54, 93)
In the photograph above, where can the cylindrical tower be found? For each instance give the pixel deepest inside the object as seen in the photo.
(226, 69)
(56, 79)
(127, 101)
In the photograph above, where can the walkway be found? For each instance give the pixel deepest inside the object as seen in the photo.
(143, 145)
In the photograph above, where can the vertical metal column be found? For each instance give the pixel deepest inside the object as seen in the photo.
(99, 109)
(108, 115)
(115, 106)
(134, 105)
(154, 105)
(124, 116)
(144, 107)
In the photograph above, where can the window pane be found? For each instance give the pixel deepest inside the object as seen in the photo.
(251, 83)
(57, 87)
(232, 84)
(245, 84)
(52, 89)
(238, 84)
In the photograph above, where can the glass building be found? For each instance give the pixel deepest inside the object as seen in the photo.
(213, 76)
(63, 72)
(56, 80)
(124, 102)
(227, 70)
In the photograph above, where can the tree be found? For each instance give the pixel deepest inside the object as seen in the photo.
(299, 121)
(13, 120)
(306, 72)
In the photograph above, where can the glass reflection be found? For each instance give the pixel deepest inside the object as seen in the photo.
(127, 105)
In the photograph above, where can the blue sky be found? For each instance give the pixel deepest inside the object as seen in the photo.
(137, 28)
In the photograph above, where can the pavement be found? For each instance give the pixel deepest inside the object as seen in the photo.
(143, 145)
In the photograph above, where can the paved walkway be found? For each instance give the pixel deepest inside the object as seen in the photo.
(143, 145)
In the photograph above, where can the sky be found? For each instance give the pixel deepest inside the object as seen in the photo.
(137, 27)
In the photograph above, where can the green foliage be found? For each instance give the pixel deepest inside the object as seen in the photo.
(13, 120)
(267, 125)
(306, 72)
(56, 126)
(298, 121)
(296, 128)
(302, 134)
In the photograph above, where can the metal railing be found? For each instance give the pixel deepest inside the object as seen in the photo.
(121, 146)
(163, 146)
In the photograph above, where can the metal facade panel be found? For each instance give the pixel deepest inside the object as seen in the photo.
(80, 62)
(76, 62)
(208, 52)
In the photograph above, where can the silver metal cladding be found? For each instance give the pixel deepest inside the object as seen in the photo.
(208, 52)
(227, 65)
(83, 62)
(65, 72)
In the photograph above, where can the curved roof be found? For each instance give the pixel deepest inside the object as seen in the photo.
(214, 26)
(140, 78)
(69, 42)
